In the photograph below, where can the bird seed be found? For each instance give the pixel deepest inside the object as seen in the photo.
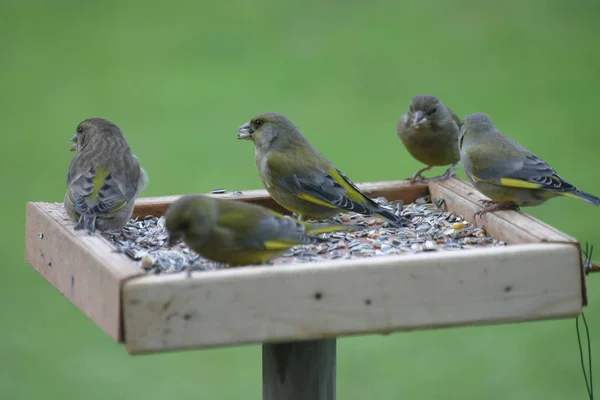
(432, 229)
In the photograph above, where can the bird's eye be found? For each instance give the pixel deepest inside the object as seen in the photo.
(434, 109)
(258, 122)
(79, 129)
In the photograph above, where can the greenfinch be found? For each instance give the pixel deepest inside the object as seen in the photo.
(299, 177)
(104, 177)
(237, 233)
(429, 131)
(507, 172)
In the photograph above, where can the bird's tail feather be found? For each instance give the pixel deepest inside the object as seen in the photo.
(585, 197)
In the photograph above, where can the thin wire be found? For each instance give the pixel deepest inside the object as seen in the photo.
(588, 253)
(588, 384)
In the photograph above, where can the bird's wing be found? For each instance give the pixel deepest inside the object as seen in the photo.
(537, 174)
(80, 187)
(130, 178)
(528, 172)
(279, 233)
(96, 191)
(329, 188)
(254, 229)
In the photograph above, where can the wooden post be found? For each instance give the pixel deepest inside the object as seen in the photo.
(299, 370)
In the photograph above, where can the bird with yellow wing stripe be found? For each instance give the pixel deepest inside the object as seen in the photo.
(299, 177)
(104, 177)
(238, 233)
(507, 172)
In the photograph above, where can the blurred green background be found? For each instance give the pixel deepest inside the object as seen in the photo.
(180, 77)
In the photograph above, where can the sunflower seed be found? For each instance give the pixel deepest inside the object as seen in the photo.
(144, 240)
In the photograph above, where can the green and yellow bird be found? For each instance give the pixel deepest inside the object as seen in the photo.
(104, 177)
(299, 177)
(429, 131)
(238, 233)
(507, 172)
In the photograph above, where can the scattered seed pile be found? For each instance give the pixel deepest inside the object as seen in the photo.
(432, 229)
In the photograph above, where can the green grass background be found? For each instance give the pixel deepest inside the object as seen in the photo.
(180, 77)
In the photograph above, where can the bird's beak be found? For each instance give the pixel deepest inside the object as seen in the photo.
(419, 118)
(74, 140)
(245, 132)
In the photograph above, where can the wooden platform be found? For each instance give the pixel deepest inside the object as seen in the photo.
(538, 276)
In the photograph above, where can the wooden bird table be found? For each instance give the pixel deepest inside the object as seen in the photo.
(298, 310)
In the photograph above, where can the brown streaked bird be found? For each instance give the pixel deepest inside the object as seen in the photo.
(104, 177)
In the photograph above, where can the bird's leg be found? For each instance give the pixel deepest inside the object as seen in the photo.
(80, 223)
(87, 222)
(418, 175)
(450, 172)
(492, 206)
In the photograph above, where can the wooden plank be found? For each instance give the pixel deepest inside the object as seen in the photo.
(299, 370)
(82, 267)
(391, 190)
(337, 298)
(511, 226)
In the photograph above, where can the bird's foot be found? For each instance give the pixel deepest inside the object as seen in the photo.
(450, 172)
(492, 206)
(416, 179)
(418, 176)
(487, 203)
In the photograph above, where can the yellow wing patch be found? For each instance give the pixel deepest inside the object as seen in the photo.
(351, 192)
(101, 174)
(518, 183)
(277, 245)
(313, 229)
(315, 200)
